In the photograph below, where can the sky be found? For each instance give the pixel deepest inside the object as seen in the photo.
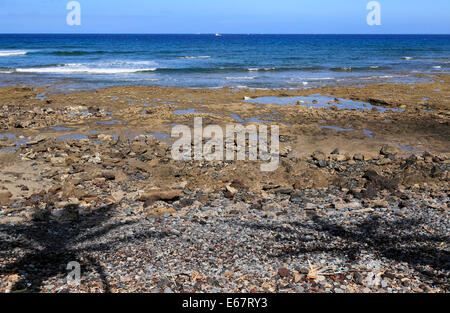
(226, 16)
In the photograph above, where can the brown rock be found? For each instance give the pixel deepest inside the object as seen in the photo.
(284, 272)
(109, 175)
(162, 211)
(318, 156)
(5, 196)
(170, 195)
(343, 205)
(380, 204)
(384, 161)
(387, 150)
(13, 220)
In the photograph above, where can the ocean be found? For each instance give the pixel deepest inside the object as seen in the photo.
(211, 61)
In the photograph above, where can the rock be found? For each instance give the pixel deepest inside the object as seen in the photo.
(284, 272)
(247, 98)
(70, 191)
(310, 206)
(5, 196)
(162, 211)
(108, 175)
(387, 149)
(349, 205)
(335, 151)
(358, 277)
(170, 195)
(68, 214)
(231, 190)
(99, 181)
(38, 139)
(384, 161)
(13, 220)
(378, 182)
(58, 161)
(358, 157)
(318, 156)
(338, 157)
(404, 204)
(380, 203)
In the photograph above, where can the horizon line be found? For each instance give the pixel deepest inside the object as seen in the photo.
(364, 34)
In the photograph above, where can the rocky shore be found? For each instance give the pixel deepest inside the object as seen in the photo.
(359, 202)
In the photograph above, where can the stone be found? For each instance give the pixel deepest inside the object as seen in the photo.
(231, 190)
(5, 196)
(284, 272)
(349, 205)
(38, 139)
(384, 161)
(380, 203)
(358, 157)
(162, 211)
(57, 161)
(318, 156)
(338, 157)
(335, 151)
(310, 206)
(108, 175)
(170, 195)
(387, 149)
(13, 220)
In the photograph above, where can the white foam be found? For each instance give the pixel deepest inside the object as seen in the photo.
(240, 78)
(408, 58)
(196, 57)
(10, 53)
(6, 72)
(437, 67)
(121, 62)
(255, 69)
(80, 70)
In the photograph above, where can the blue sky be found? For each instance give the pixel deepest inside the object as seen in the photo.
(226, 16)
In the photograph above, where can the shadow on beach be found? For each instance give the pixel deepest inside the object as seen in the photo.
(397, 240)
(49, 245)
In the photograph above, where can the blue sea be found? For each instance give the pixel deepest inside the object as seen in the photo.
(254, 61)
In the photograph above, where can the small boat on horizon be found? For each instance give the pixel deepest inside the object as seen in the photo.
(218, 35)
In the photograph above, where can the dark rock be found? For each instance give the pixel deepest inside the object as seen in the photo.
(335, 151)
(284, 272)
(379, 182)
(358, 277)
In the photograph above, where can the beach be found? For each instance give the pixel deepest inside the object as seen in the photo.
(358, 203)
